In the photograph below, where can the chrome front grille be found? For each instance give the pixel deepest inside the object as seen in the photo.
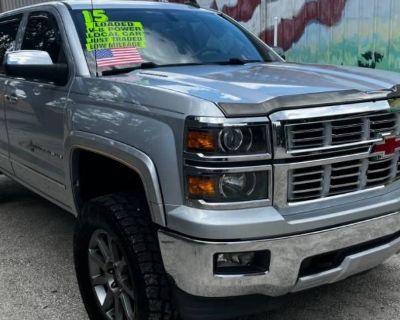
(325, 152)
(385, 122)
(337, 178)
(319, 134)
(347, 130)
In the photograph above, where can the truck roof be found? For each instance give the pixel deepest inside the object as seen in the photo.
(109, 4)
(87, 4)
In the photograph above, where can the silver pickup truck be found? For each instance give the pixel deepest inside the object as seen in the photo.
(209, 177)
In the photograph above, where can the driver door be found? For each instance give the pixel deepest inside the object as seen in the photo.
(36, 112)
(9, 27)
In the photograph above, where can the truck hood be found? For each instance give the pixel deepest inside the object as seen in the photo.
(262, 88)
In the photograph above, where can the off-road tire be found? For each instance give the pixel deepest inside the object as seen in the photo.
(126, 217)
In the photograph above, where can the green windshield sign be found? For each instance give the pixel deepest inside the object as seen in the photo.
(104, 34)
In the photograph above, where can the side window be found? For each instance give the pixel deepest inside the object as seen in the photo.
(42, 33)
(8, 33)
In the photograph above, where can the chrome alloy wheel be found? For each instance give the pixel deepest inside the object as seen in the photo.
(110, 278)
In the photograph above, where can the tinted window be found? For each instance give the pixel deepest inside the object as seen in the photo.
(8, 34)
(42, 33)
(170, 37)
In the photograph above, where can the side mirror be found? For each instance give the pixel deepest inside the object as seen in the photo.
(280, 52)
(35, 65)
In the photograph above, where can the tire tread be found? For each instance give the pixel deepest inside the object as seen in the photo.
(130, 215)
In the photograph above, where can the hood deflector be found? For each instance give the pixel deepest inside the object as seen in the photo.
(320, 99)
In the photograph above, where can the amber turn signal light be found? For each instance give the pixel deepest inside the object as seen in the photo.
(201, 186)
(201, 140)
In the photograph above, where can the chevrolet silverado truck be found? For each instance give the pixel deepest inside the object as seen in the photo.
(210, 178)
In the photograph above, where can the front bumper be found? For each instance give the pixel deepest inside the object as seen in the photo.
(191, 262)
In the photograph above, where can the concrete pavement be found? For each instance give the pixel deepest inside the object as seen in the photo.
(37, 279)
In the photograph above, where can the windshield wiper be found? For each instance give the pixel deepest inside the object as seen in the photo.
(152, 65)
(236, 61)
(144, 65)
(148, 65)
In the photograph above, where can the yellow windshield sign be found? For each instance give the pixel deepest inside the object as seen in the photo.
(101, 33)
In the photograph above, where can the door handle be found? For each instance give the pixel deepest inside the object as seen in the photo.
(12, 99)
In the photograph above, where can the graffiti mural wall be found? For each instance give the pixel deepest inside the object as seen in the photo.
(348, 32)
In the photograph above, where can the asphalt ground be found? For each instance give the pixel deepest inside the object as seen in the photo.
(37, 279)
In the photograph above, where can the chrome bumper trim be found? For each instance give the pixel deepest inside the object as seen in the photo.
(190, 262)
(352, 265)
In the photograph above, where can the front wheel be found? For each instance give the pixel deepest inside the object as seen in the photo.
(118, 261)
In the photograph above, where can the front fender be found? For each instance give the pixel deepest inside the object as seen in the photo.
(125, 154)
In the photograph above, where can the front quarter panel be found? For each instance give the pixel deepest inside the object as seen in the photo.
(149, 120)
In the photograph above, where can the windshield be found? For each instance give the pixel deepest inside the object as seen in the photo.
(122, 38)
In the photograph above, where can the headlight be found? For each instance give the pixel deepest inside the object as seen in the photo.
(235, 139)
(230, 140)
(226, 163)
(228, 187)
(233, 184)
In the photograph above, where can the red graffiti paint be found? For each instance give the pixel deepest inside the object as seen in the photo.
(325, 12)
(214, 5)
(243, 10)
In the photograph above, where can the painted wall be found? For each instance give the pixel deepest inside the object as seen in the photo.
(6, 5)
(349, 32)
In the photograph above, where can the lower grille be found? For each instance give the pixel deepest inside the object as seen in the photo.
(342, 177)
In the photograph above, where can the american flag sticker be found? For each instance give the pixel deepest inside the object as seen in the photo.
(117, 57)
